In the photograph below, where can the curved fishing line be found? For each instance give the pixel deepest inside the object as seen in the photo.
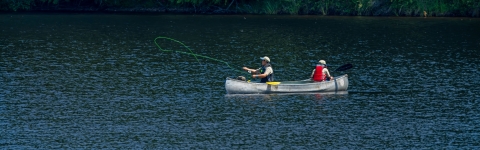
(190, 53)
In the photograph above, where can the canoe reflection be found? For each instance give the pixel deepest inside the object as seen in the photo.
(317, 95)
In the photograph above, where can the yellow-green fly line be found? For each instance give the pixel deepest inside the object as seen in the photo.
(190, 52)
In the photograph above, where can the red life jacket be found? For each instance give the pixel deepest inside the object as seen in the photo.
(318, 75)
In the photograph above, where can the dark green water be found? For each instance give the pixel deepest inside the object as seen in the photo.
(98, 81)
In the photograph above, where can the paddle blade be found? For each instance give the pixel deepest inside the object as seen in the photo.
(344, 67)
(273, 83)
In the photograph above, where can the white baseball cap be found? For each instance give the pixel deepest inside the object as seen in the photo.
(265, 58)
(322, 62)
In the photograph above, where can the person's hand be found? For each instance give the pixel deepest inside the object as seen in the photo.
(253, 76)
(247, 69)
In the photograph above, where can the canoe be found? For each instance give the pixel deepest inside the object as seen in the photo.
(234, 86)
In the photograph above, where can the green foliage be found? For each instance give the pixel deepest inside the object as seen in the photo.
(14, 5)
(198, 2)
(294, 7)
(346, 7)
(364, 7)
(432, 7)
(271, 7)
(323, 6)
(51, 1)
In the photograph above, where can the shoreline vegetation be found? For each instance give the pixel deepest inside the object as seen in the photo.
(412, 8)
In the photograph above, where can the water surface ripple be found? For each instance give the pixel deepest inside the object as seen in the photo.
(98, 81)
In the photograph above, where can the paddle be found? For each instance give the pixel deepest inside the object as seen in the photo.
(341, 68)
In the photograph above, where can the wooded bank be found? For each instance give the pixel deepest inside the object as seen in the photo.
(414, 8)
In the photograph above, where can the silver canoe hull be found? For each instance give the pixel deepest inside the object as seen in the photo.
(234, 86)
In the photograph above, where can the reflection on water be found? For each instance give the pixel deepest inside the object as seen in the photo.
(99, 81)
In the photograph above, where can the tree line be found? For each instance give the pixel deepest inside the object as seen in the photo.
(426, 8)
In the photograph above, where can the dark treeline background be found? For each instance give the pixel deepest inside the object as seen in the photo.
(464, 8)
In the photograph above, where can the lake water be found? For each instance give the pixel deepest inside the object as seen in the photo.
(99, 81)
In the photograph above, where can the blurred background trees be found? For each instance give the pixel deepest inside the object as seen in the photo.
(468, 8)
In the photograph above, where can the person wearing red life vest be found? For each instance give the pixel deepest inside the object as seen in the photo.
(320, 73)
